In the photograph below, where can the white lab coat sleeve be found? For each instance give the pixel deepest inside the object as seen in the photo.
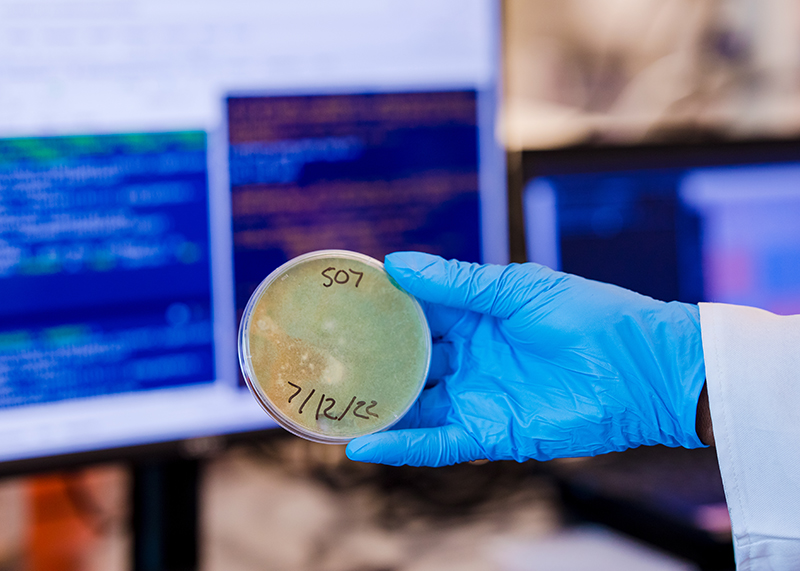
(752, 362)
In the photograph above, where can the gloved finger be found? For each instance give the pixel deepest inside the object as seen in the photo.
(441, 318)
(494, 290)
(428, 411)
(435, 447)
(440, 361)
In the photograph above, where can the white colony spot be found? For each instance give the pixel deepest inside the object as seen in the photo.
(334, 371)
(304, 357)
(267, 325)
(328, 326)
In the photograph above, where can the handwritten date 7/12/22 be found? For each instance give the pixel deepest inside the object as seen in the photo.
(326, 404)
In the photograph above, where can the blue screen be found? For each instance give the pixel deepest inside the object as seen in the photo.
(725, 233)
(104, 265)
(369, 172)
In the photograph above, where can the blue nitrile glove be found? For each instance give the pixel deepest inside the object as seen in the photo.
(532, 363)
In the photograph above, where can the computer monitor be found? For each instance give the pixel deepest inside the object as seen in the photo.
(373, 172)
(152, 171)
(712, 222)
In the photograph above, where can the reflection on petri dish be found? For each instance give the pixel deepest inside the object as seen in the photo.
(332, 348)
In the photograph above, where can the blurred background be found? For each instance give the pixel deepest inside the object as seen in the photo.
(159, 158)
(635, 72)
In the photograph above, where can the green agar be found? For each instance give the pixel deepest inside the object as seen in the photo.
(337, 347)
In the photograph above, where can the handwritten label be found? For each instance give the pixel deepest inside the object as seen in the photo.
(326, 405)
(341, 277)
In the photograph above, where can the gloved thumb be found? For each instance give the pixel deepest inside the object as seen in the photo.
(441, 446)
(490, 289)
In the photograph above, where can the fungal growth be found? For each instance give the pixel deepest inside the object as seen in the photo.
(332, 347)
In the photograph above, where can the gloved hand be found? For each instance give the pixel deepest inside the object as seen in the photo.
(532, 363)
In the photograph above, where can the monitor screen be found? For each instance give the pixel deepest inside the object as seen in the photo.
(713, 223)
(369, 172)
(158, 159)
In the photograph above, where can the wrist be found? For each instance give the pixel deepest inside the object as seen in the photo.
(688, 375)
(705, 430)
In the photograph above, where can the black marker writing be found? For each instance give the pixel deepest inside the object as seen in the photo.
(347, 409)
(358, 406)
(360, 275)
(328, 408)
(305, 401)
(297, 392)
(322, 398)
(372, 405)
(340, 277)
(326, 404)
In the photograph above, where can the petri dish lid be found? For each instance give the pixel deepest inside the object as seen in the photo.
(332, 348)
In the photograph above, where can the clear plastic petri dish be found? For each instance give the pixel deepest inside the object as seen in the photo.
(332, 348)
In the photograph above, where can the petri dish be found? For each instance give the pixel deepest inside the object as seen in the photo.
(332, 347)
